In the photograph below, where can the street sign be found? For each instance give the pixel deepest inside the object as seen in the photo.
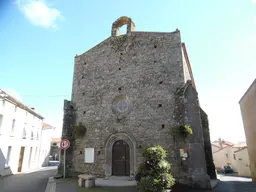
(64, 144)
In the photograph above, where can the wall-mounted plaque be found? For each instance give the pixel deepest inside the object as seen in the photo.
(89, 155)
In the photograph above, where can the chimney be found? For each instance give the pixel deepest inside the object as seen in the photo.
(220, 143)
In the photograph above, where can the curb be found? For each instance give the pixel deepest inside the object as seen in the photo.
(51, 185)
(217, 183)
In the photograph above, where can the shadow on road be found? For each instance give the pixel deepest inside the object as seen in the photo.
(223, 186)
(236, 186)
(29, 182)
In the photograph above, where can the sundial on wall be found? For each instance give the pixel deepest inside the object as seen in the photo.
(121, 106)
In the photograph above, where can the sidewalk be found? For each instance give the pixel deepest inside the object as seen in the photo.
(71, 185)
(226, 184)
(66, 185)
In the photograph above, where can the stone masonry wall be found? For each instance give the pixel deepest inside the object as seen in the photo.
(144, 67)
(68, 122)
(196, 174)
(207, 146)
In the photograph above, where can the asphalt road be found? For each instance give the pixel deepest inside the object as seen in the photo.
(30, 182)
(232, 184)
(37, 181)
(235, 184)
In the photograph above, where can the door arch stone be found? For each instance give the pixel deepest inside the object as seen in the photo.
(130, 140)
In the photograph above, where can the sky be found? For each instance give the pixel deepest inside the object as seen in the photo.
(40, 38)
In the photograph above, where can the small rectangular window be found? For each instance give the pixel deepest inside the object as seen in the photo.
(13, 127)
(37, 135)
(24, 134)
(234, 156)
(1, 121)
(3, 103)
(32, 135)
(8, 157)
(16, 108)
(35, 155)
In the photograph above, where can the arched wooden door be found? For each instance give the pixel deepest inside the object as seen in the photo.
(121, 159)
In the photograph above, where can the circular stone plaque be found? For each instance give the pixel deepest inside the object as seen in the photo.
(121, 105)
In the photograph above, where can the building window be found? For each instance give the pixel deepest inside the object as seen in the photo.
(24, 133)
(8, 157)
(32, 135)
(37, 135)
(226, 155)
(35, 155)
(234, 156)
(16, 108)
(1, 121)
(3, 103)
(13, 127)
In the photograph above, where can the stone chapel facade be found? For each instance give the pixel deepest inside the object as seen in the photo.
(128, 91)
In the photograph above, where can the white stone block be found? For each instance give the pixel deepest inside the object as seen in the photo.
(89, 183)
(81, 182)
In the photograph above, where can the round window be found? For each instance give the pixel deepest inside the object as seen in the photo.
(122, 106)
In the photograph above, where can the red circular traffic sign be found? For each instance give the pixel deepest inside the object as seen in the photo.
(64, 144)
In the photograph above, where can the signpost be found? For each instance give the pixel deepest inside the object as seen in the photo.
(64, 145)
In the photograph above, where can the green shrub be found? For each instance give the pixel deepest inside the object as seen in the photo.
(153, 174)
(79, 130)
(188, 129)
(155, 153)
(183, 130)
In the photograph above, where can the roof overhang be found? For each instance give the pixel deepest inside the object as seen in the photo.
(5, 96)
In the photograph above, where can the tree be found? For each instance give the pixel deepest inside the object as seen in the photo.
(153, 174)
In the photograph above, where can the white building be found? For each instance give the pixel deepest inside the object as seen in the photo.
(222, 153)
(21, 146)
(45, 149)
(235, 155)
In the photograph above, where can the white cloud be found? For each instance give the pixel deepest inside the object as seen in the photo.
(39, 14)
